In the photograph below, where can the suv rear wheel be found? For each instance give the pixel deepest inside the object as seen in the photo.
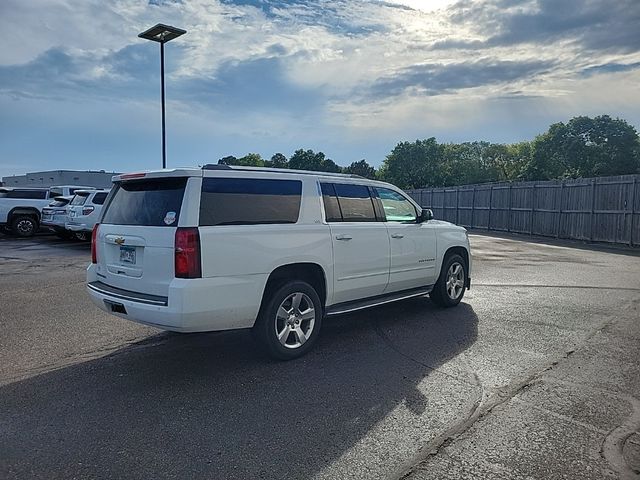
(83, 236)
(24, 226)
(289, 322)
(449, 289)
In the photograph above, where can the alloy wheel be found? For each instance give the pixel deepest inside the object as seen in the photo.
(295, 319)
(455, 281)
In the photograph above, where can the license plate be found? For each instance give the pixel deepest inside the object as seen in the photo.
(128, 254)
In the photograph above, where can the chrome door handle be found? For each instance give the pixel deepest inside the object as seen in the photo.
(397, 235)
(343, 237)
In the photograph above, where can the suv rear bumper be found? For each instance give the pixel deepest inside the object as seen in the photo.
(61, 224)
(192, 305)
(78, 227)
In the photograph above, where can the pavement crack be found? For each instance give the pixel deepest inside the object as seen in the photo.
(485, 407)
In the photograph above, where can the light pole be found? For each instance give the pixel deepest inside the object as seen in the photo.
(162, 34)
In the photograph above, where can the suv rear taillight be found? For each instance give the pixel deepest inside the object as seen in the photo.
(94, 241)
(187, 253)
(87, 210)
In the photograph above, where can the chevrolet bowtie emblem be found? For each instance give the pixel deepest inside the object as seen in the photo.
(119, 240)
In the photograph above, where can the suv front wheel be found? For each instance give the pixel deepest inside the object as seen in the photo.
(289, 322)
(449, 289)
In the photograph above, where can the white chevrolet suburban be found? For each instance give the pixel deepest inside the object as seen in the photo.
(218, 248)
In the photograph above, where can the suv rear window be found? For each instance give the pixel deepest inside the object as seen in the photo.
(79, 199)
(248, 201)
(149, 202)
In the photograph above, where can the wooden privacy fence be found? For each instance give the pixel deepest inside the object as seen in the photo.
(604, 209)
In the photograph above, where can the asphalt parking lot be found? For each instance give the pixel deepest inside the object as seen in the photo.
(535, 375)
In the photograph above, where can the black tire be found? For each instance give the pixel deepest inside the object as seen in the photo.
(269, 321)
(24, 226)
(64, 234)
(82, 236)
(440, 295)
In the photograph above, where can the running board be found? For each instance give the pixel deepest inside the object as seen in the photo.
(347, 307)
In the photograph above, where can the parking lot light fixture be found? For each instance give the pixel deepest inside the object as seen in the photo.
(162, 34)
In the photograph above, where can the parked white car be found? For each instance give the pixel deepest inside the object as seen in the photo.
(55, 216)
(21, 208)
(84, 211)
(193, 250)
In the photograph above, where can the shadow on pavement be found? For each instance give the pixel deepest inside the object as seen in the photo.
(211, 406)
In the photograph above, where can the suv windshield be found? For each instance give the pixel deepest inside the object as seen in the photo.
(153, 202)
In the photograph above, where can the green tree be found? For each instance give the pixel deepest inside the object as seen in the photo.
(470, 162)
(278, 160)
(306, 160)
(513, 165)
(329, 165)
(229, 160)
(249, 160)
(585, 147)
(361, 168)
(414, 164)
(309, 160)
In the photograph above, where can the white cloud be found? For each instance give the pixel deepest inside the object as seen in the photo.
(331, 63)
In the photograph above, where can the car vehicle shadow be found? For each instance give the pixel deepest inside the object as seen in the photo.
(212, 406)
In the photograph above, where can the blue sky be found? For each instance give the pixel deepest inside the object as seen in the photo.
(79, 90)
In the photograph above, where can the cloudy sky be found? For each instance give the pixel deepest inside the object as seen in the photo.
(79, 90)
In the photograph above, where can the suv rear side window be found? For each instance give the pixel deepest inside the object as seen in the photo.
(355, 203)
(99, 198)
(331, 207)
(27, 194)
(247, 201)
(149, 202)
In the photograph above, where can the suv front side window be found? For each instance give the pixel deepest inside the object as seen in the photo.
(396, 207)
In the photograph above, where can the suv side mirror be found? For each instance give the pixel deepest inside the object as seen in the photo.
(426, 215)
